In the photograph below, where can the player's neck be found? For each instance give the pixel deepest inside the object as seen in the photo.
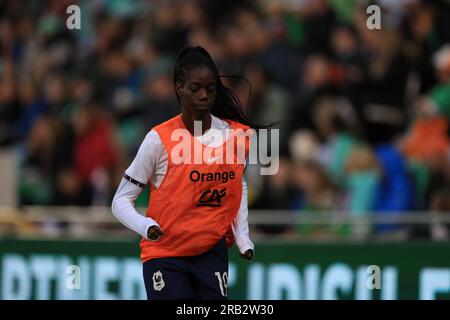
(189, 118)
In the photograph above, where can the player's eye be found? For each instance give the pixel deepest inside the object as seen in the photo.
(194, 87)
(211, 88)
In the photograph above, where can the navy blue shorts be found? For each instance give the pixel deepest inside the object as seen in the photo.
(198, 277)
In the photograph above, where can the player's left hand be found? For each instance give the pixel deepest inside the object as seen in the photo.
(247, 255)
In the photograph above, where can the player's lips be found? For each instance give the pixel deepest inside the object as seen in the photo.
(203, 106)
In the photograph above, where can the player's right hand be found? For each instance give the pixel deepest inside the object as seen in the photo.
(154, 233)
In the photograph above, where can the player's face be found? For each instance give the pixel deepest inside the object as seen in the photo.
(198, 92)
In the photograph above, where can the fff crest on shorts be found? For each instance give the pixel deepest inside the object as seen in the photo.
(158, 281)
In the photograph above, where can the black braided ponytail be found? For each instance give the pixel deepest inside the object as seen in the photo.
(227, 104)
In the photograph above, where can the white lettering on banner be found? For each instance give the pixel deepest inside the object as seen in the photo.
(389, 283)
(283, 277)
(433, 281)
(362, 291)
(255, 281)
(132, 280)
(337, 276)
(63, 292)
(106, 271)
(43, 270)
(232, 274)
(44, 276)
(15, 279)
(103, 277)
(338, 281)
(311, 279)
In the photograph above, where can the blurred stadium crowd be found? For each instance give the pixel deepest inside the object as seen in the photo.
(364, 113)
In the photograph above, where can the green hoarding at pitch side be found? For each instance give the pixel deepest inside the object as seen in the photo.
(34, 269)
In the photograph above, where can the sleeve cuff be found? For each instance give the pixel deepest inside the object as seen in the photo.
(151, 223)
(244, 244)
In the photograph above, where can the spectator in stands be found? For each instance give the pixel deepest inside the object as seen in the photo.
(296, 54)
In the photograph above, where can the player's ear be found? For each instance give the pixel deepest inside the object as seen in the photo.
(178, 88)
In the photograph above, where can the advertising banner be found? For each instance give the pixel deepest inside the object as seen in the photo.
(36, 269)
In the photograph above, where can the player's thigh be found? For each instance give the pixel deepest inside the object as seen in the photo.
(167, 279)
(209, 272)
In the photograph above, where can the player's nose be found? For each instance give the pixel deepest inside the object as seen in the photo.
(202, 95)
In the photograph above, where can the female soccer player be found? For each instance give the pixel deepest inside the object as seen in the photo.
(196, 208)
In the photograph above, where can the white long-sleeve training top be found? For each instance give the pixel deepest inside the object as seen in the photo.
(150, 164)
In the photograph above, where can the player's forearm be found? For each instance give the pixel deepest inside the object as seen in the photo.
(240, 224)
(123, 209)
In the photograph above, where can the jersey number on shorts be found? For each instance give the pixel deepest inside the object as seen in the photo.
(223, 282)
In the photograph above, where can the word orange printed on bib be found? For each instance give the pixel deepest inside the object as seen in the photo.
(200, 196)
